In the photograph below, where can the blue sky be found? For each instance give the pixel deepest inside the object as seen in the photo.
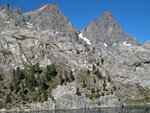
(132, 15)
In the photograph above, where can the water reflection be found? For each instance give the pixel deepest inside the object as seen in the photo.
(117, 110)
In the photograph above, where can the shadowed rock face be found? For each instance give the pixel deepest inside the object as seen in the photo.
(49, 17)
(106, 30)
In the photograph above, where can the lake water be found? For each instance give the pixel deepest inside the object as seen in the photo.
(117, 110)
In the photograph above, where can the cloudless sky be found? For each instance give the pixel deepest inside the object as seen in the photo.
(132, 15)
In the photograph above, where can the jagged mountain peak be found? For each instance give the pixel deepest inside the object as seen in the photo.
(105, 31)
(49, 16)
(48, 6)
(10, 18)
(106, 14)
(18, 10)
(7, 6)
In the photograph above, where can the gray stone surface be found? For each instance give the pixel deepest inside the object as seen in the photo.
(66, 98)
(110, 101)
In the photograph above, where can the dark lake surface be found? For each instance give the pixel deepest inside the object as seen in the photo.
(116, 110)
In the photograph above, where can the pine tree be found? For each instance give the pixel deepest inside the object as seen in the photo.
(67, 79)
(109, 79)
(93, 90)
(104, 84)
(1, 78)
(78, 92)
(88, 71)
(94, 80)
(22, 89)
(48, 73)
(44, 95)
(84, 84)
(94, 67)
(102, 60)
(53, 70)
(98, 73)
(61, 78)
(37, 68)
(8, 99)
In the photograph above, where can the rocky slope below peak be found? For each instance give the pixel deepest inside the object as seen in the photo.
(105, 31)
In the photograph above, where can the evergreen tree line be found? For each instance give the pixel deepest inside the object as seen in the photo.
(35, 84)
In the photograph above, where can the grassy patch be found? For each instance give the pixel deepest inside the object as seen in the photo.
(22, 37)
(24, 53)
(1, 106)
(5, 53)
(92, 96)
(138, 102)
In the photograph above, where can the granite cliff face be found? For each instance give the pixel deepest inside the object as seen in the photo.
(110, 68)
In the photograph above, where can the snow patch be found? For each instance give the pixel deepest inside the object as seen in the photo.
(84, 38)
(29, 26)
(42, 7)
(126, 44)
(2, 33)
(105, 44)
(7, 22)
(29, 23)
(114, 44)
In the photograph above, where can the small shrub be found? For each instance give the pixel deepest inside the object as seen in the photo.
(8, 99)
(104, 85)
(94, 80)
(103, 94)
(94, 67)
(109, 79)
(78, 92)
(88, 71)
(102, 60)
(98, 73)
(78, 52)
(1, 78)
(112, 91)
(84, 84)
(115, 88)
(93, 90)
(52, 85)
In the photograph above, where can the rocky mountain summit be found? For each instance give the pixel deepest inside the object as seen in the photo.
(48, 17)
(107, 32)
(46, 64)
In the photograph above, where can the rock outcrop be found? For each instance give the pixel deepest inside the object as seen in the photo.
(110, 101)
